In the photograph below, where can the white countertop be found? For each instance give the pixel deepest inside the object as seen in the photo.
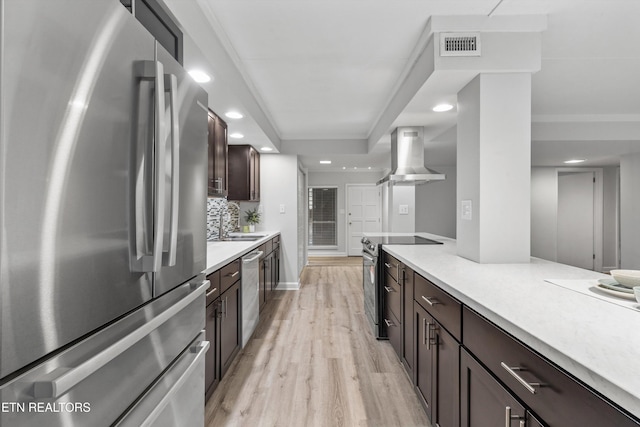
(594, 340)
(221, 253)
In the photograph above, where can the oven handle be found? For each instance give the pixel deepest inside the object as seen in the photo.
(368, 257)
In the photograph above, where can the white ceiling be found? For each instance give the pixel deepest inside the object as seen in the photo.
(317, 77)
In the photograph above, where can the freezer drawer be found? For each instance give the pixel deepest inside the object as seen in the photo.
(177, 398)
(99, 378)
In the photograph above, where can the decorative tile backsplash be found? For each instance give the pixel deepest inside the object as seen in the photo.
(215, 206)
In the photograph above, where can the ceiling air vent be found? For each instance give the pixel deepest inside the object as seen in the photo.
(460, 44)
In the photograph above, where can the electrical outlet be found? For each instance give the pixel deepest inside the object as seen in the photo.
(466, 210)
(403, 209)
(282, 209)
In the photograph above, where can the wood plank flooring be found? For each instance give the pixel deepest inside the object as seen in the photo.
(313, 362)
(335, 260)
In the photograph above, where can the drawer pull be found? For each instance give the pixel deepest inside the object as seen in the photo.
(508, 417)
(512, 371)
(234, 274)
(388, 289)
(386, 264)
(431, 300)
(211, 292)
(389, 323)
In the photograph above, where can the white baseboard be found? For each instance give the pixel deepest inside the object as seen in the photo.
(325, 253)
(288, 286)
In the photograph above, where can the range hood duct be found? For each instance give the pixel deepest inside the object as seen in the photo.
(407, 158)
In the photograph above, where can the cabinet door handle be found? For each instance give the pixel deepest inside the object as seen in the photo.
(389, 323)
(428, 334)
(512, 371)
(431, 300)
(424, 330)
(508, 417)
(388, 289)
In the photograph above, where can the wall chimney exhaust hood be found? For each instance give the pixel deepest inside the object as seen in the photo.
(407, 158)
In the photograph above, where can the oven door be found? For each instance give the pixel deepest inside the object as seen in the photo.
(371, 292)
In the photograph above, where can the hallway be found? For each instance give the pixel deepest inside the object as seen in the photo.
(313, 362)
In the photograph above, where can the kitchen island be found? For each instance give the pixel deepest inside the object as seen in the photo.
(594, 340)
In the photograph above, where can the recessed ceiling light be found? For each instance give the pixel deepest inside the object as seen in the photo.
(266, 149)
(344, 167)
(325, 162)
(442, 107)
(369, 167)
(233, 115)
(236, 135)
(572, 161)
(355, 167)
(199, 76)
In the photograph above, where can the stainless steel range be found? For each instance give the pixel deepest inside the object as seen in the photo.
(373, 274)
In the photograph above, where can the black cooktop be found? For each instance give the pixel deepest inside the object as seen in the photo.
(402, 240)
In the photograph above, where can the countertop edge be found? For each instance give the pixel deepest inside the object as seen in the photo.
(218, 256)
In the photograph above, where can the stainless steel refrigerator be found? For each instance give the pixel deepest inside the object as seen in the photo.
(102, 221)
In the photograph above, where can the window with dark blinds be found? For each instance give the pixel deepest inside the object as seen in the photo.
(323, 206)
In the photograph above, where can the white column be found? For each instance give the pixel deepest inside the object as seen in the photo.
(494, 168)
(630, 211)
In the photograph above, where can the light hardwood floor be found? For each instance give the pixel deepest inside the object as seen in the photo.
(314, 362)
(335, 260)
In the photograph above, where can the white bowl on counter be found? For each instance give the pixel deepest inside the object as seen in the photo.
(628, 278)
(636, 291)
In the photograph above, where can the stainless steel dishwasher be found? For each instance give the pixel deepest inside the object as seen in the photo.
(250, 290)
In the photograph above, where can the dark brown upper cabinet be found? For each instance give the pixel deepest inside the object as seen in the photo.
(218, 155)
(244, 173)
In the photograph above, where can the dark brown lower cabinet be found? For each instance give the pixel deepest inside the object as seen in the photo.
(268, 276)
(212, 359)
(532, 421)
(423, 358)
(446, 409)
(436, 365)
(408, 333)
(230, 330)
(483, 401)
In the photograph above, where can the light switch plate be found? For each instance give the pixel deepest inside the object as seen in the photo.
(403, 209)
(466, 210)
(281, 209)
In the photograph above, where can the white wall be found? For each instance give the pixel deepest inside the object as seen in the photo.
(401, 195)
(630, 211)
(436, 204)
(544, 214)
(340, 180)
(278, 186)
(494, 168)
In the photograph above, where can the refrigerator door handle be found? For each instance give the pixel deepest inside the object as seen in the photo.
(151, 262)
(199, 349)
(171, 87)
(61, 380)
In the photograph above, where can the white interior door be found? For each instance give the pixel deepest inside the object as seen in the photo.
(576, 219)
(363, 215)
